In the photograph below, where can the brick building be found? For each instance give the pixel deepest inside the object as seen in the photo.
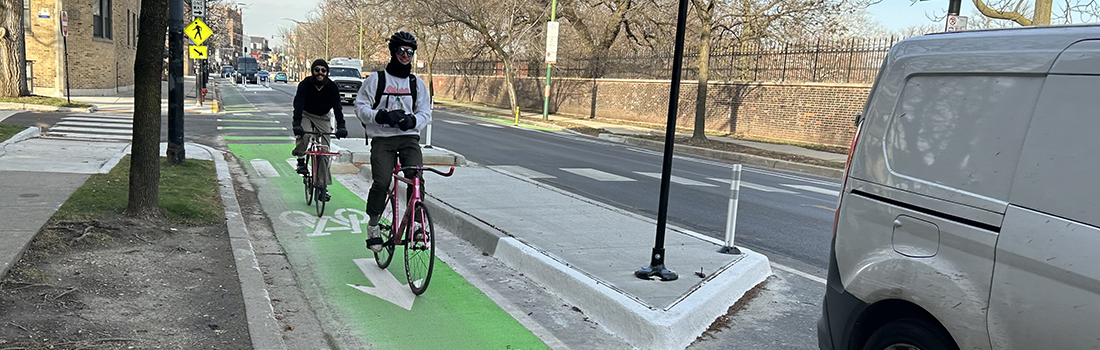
(102, 44)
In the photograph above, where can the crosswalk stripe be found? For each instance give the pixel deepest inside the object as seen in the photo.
(521, 171)
(89, 136)
(101, 119)
(251, 128)
(455, 123)
(95, 130)
(248, 121)
(264, 168)
(277, 114)
(597, 175)
(490, 125)
(814, 189)
(750, 185)
(109, 125)
(677, 179)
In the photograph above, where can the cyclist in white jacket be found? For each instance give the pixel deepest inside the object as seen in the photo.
(393, 106)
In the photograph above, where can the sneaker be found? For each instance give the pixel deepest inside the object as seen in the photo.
(302, 169)
(374, 238)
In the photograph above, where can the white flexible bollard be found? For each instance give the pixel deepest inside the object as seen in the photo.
(731, 217)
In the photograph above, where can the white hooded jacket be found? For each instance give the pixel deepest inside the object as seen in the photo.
(396, 97)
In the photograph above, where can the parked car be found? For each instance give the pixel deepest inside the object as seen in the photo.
(968, 217)
(281, 76)
(247, 70)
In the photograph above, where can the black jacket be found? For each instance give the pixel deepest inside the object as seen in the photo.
(318, 102)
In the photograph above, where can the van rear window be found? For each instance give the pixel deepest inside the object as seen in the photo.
(962, 132)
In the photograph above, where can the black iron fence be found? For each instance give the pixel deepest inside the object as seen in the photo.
(845, 61)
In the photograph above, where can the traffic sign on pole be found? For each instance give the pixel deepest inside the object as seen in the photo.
(551, 42)
(198, 31)
(64, 23)
(197, 52)
(198, 8)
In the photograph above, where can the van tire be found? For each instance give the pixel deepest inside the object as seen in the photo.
(919, 333)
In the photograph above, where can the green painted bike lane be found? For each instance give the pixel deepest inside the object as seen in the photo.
(451, 314)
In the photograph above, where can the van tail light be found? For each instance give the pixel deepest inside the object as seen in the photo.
(847, 171)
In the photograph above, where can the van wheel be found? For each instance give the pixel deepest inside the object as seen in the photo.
(910, 334)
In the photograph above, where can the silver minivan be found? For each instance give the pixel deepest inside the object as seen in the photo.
(970, 215)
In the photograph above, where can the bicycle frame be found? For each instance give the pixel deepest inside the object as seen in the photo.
(315, 150)
(399, 236)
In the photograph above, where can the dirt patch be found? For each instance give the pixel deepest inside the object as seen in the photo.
(114, 283)
(723, 322)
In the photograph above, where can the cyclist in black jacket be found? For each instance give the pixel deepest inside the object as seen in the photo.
(316, 96)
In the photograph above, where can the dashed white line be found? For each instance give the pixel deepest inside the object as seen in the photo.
(814, 189)
(597, 175)
(677, 179)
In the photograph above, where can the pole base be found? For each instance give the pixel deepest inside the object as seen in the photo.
(730, 250)
(648, 272)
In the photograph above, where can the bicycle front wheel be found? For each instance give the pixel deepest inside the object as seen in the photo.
(319, 199)
(308, 182)
(420, 250)
(385, 256)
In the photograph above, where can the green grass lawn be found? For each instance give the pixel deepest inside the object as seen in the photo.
(188, 194)
(43, 100)
(7, 131)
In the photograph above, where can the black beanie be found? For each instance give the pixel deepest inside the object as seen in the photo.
(319, 62)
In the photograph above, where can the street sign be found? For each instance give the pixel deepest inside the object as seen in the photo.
(956, 23)
(198, 31)
(198, 8)
(551, 42)
(197, 52)
(64, 23)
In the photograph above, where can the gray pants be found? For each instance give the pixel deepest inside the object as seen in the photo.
(315, 123)
(384, 153)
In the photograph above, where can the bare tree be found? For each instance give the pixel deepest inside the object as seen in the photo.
(13, 53)
(1043, 12)
(748, 21)
(502, 25)
(145, 155)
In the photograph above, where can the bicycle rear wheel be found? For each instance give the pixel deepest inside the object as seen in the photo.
(319, 199)
(420, 250)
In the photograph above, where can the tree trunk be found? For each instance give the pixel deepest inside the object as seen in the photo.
(145, 155)
(510, 81)
(1042, 13)
(13, 54)
(706, 19)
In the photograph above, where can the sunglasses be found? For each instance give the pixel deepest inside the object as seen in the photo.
(407, 52)
(320, 70)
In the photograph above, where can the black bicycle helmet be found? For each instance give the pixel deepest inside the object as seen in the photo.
(400, 39)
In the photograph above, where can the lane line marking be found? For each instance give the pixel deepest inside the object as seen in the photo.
(799, 273)
(521, 171)
(597, 175)
(264, 168)
(677, 179)
(491, 125)
(751, 185)
(455, 123)
(108, 125)
(92, 130)
(814, 189)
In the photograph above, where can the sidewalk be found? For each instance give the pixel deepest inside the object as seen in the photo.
(622, 133)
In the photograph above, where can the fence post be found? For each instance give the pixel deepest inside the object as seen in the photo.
(784, 76)
(817, 51)
(851, 52)
(731, 216)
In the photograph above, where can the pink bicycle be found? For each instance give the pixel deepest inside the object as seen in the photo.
(415, 230)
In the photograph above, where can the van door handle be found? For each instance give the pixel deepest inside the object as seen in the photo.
(897, 223)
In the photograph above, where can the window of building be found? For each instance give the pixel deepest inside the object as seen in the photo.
(101, 19)
(128, 42)
(27, 17)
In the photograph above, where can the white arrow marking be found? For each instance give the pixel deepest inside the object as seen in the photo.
(386, 287)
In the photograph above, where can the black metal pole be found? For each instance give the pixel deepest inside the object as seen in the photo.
(953, 7)
(68, 92)
(175, 150)
(657, 263)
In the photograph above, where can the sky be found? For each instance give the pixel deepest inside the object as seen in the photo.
(263, 17)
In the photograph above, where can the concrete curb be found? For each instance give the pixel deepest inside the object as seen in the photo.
(263, 329)
(674, 327)
(742, 158)
(43, 108)
(27, 133)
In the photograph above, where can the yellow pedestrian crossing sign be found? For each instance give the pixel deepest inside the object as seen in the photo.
(198, 31)
(197, 52)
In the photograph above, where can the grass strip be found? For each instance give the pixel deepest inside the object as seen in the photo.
(7, 131)
(188, 194)
(43, 100)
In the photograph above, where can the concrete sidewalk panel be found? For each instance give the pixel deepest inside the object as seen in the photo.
(27, 133)
(33, 197)
(62, 156)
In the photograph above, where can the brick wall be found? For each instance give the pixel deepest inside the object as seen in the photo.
(802, 112)
(96, 65)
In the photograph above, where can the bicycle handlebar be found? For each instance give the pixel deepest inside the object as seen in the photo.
(449, 172)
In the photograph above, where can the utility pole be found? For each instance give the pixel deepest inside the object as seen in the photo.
(551, 44)
(175, 150)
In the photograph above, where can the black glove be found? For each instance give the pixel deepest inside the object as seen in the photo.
(406, 122)
(388, 118)
(341, 132)
(298, 131)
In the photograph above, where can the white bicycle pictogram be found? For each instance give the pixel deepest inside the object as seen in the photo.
(344, 219)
